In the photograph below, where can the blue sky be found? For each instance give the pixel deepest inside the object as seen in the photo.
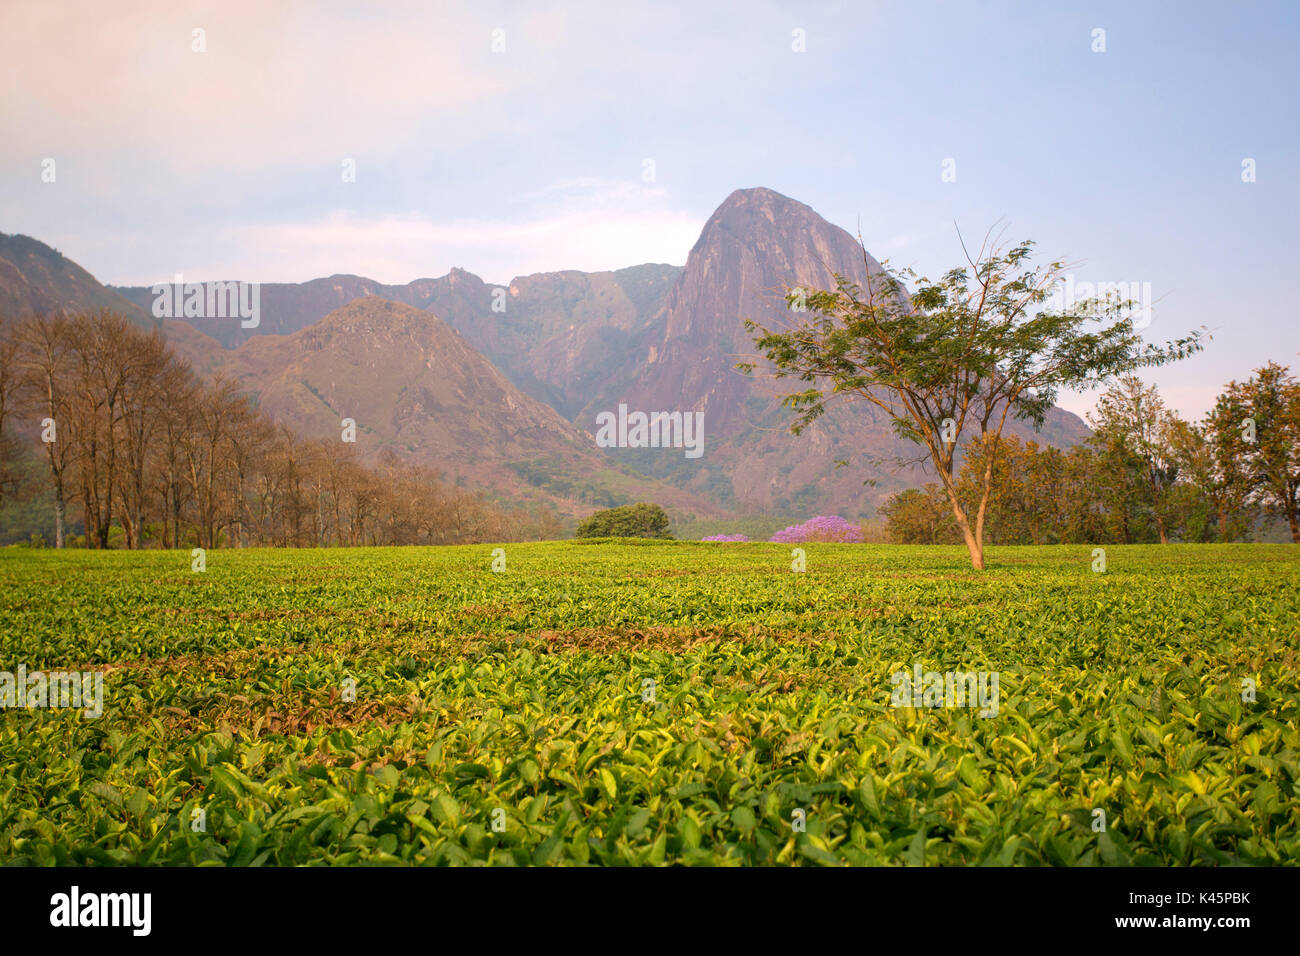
(228, 163)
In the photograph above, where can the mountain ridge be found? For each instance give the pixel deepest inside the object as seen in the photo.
(37, 278)
(654, 337)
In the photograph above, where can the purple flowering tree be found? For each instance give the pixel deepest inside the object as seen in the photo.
(820, 528)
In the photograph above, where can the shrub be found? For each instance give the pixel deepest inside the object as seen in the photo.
(641, 520)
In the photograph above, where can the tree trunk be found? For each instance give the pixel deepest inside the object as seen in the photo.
(973, 544)
(984, 507)
(60, 515)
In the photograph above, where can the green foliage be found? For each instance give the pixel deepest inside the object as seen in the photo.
(1100, 492)
(27, 507)
(920, 516)
(642, 520)
(1255, 430)
(956, 357)
(556, 477)
(525, 692)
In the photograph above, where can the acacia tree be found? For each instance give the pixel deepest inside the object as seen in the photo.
(956, 357)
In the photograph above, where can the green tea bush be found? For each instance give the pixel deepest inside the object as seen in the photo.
(668, 703)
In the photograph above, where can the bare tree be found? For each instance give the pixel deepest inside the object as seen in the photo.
(135, 438)
(10, 397)
(45, 361)
(150, 368)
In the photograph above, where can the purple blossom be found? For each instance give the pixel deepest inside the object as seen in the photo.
(726, 537)
(820, 528)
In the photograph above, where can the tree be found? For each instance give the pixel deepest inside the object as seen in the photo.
(958, 356)
(170, 485)
(1257, 423)
(10, 395)
(1132, 416)
(1036, 491)
(1204, 457)
(206, 449)
(45, 361)
(1015, 513)
(149, 367)
(154, 454)
(642, 520)
(919, 516)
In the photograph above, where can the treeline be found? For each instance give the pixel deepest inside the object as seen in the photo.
(146, 454)
(1145, 475)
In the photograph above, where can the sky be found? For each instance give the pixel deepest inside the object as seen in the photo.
(287, 141)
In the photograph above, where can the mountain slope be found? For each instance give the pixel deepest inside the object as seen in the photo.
(755, 245)
(559, 336)
(653, 337)
(36, 278)
(415, 386)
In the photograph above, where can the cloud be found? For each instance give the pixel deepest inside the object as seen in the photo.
(597, 224)
(294, 83)
(276, 83)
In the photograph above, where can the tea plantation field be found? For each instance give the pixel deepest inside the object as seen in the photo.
(644, 703)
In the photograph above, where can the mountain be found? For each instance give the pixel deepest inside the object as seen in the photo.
(412, 383)
(35, 278)
(753, 247)
(559, 336)
(415, 386)
(652, 337)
